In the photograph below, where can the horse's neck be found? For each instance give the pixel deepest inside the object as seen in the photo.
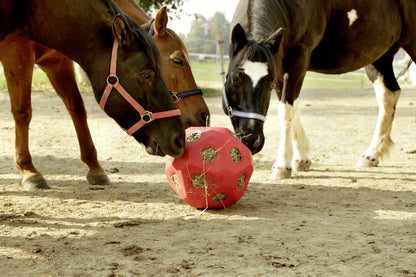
(133, 10)
(83, 34)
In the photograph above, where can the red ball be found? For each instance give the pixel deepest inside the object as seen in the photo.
(214, 171)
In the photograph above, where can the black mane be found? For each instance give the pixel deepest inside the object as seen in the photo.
(263, 23)
(144, 40)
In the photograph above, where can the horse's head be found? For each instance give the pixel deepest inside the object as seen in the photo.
(249, 81)
(177, 72)
(138, 72)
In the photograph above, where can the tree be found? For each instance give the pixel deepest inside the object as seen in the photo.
(153, 5)
(197, 34)
(218, 28)
(205, 34)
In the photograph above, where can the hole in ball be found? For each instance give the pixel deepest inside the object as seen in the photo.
(218, 197)
(198, 181)
(176, 180)
(193, 137)
(209, 154)
(235, 155)
(241, 181)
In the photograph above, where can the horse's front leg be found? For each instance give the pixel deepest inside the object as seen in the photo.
(61, 74)
(292, 132)
(19, 81)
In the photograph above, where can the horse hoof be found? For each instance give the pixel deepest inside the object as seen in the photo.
(281, 174)
(299, 165)
(100, 179)
(367, 162)
(35, 183)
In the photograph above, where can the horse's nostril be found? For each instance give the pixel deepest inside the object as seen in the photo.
(187, 123)
(204, 119)
(179, 143)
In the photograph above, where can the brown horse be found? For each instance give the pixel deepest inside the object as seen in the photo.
(19, 50)
(95, 34)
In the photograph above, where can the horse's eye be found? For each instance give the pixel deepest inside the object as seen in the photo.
(177, 62)
(236, 82)
(145, 76)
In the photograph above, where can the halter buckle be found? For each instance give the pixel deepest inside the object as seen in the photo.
(147, 117)
(230, 111)
(111, 77)
(175, 97)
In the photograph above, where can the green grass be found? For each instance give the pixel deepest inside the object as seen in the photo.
(312, 80)
(40, 82)
(209, 72)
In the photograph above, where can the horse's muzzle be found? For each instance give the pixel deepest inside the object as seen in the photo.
(250, 132)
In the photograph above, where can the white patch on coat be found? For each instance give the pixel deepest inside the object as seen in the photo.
(352, 16)
(256, 70)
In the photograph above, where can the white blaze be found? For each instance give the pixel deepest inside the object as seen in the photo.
(255, 70)
(352, 16)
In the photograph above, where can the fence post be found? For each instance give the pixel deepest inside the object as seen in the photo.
(222, 73)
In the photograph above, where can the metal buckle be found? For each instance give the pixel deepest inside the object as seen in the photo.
(230, 111)
(112, 76)
(147, 117)
(175, 97)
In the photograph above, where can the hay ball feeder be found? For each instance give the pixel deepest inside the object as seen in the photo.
(214, 171)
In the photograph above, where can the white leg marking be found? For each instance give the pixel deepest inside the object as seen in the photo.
(255, 70)
(352, 16)
(285, 152)
(300, 141)
(381, 141)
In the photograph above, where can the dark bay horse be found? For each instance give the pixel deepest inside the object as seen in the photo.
(274, 43)
(121, 61)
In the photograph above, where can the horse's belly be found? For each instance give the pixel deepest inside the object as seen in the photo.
(342, 60)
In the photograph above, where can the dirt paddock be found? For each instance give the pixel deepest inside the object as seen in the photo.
(335, 220)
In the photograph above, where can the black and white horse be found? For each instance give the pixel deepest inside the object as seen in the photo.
(274, 43)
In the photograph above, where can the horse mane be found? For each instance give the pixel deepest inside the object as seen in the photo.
(145, 41)
(12, 16)
(263, 22)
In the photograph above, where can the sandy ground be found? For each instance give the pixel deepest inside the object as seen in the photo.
(335, 220)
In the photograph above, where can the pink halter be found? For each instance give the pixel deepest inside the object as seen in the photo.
(146, 116)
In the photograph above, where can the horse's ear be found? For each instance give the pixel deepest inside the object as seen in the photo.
(275, 39)
(238, 38)
(122, 31)
(161, 21)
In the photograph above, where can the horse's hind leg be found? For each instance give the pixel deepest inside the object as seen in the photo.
(60, 72)
(387, 92)
(19, 81)
(301, 161)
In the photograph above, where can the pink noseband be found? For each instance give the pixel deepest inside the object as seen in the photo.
(146, 116)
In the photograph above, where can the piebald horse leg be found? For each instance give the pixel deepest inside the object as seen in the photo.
(60, 72)
(387, 92)
(19, 81)
(301, 161)
(293, 141)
